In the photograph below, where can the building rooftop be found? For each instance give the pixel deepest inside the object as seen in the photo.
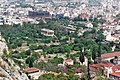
(102, 65)
(106, 65)
(47, 30)
(77, 70)
(110, 55)
(117, 74)
(68, 60)
(30, 70)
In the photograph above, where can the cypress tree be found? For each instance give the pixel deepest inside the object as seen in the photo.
(94, 54)
(99, 50)
(81, 58)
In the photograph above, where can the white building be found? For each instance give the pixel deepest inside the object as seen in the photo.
(33, 72)
(1, 21)
(47, 32)
(111, 27)
(109, 37)
(68, 62)
(89, 25)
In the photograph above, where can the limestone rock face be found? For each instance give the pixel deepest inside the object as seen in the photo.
(3, 45)
(8, 68)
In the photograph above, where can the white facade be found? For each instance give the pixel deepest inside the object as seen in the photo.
(108, 71)
(47, 32)
(89, 25)
(36, 75)
(112, 38)
(68, 62)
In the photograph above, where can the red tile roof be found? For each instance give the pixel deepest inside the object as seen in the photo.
(68, 60)
(83, 15)
(106, 64)
(116, 74)
(114, 67)
(78, 70)
(29, 70)
(110, 55)
(95, 65)
(101, 65)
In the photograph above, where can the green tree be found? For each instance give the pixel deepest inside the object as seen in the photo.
(23, 54)
(94, 51)
(33, 47)
(99, 50)
(28, 52)
(47, 77)
(30, 61)
(56, 60)
(4, 51)
(95, 24)
(81, 58)
(35, 56)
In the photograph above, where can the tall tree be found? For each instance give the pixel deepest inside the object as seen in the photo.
(94, 51)
(99, 50)
(81, 58)
(88, 65)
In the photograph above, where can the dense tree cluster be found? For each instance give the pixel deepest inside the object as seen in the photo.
(16, 35)
(58, 77)
(91, 45)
